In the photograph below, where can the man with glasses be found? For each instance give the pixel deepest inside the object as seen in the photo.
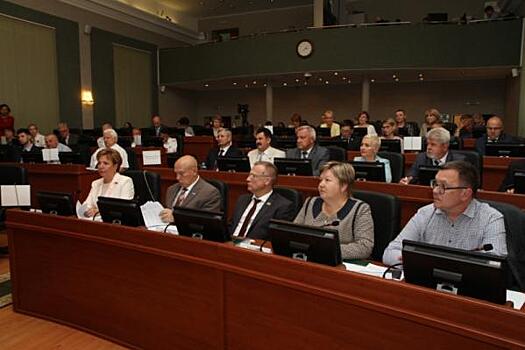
(455, 219)
(254, 211)
(494, 134)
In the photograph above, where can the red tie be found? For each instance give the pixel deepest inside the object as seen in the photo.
(248, 218)
(182, 197)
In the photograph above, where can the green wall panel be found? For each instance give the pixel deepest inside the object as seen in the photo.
(486, 44)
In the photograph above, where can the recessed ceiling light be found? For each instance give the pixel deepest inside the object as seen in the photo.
(349, 81)
(285, 84)
(320, 79)
(396, 79)
(421, 78)
(394, 76)
(234, 83)
(305, 83)
(336, 74)
(206, 85)
(344, 78)
(372, 80)
(420, 75)
(327, 82)
(296, 80)
(265, 85)
(254, 82)
(245, 85)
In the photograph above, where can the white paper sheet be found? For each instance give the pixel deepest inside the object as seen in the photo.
(151, 214)
(50, 155)
(3, 140)
(82, 208)
(370, 269)
(517, 298)
(151, 158)
(137, 139)
(412, 143)
(15, 195)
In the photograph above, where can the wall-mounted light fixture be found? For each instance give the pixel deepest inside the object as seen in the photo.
(87, 98)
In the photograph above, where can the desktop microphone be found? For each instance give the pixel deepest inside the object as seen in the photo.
(485, 248)
(333, 223)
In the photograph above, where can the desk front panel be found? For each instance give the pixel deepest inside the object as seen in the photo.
(150, 290)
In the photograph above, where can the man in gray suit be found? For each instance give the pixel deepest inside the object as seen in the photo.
(307, 149)
(437, 154)
(190, 191)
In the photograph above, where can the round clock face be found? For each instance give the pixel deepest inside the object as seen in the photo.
(304, 48)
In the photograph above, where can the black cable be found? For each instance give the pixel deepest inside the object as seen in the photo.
(390, 268)
(262, 245)
(95, 215)
(165, 228)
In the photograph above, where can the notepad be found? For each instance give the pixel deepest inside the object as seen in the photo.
(151, 158)
(50, 155)
(412, 143)
(15, 195)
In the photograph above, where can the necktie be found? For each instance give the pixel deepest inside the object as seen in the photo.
(304, 154)
(248, 218)
(260, 157)
(436, 162)
(182, 197)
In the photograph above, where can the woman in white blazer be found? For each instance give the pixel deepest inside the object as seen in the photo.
(111, 183)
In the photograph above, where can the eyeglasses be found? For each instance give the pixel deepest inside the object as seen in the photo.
(441, 188)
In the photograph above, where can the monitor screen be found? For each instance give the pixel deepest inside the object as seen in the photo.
(286, 142)
(283, 131)
(308, 243)
(120, 211)
(292, 166)
(360, 132)
(241, 164)
(70, 158)
(426, 174)
(56, 203)
(152, 141)
(334, 142)
(323, 132)
(474, 274)
(369, 171)
(32, 157)
(519, 181)
(390, 145)
(505, 149)
(201, 224)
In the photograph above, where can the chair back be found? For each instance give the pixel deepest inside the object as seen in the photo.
(292, 195)
(223, 190)
(386, 213)
(337, 153)
(397, 164)
(146, 184)
(475, 159)
(12, 175)
(132, 159)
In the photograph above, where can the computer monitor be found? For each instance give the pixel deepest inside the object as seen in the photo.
(427, 173)
(241, 164)
(323, 132)
(283, 131)
(292, 166)
(125, 141)
(505, 149)
(309, 243)
(32, 157)
(70, 158)
(152, 141)
(474, 274)
(519, 181)
(359, 132)
(56, 203)
(120, 211)
(403, 131)
(369, 171)
(333, 142)
(201, 224)
(286, 142)
(389, 145)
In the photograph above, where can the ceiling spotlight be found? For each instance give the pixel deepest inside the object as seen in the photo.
(396, 79)
(254, 82)
(265, 85)
(372, 80)
(327, 82)
(320, 79)
(344, 78)
(394, 76)
(336, 74)
(305, 83)
(421, 78)
(206, 85)
(234, 83)
(349, 81)
(420, 75)
(285, 84)
(245, 85)
(296, 80)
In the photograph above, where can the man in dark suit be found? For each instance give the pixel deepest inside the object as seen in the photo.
(190, 191)
(254, 211)
(25, 146)
(437, 154)
(494, 134)
(156, 126)
(508, 182)
(225, 149)
(307, 149)
(66, 137)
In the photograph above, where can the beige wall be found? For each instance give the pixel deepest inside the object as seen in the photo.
(267, 21)
(175, 103)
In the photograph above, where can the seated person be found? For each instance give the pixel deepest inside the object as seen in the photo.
(111, 184)
(389, 130)
(336, 208)
(169, 143)
(184, 123)
(432, 120)
(307, 149)
(10, 138)
(363, 120)
(156, 126)
(100, 140)
(437, 154)
(328, 122)
(494, 134)
(347, 130)
(466, 129)
(110, 141)
(38, 139)
(253, 211)
(508, 182)
(225, 149)
(455, 219)
(401, 122)
(66, 137)
(369, 147)
(25, 145)
(295, 120)
(216, 124)
(190, 191)
(264, 152)
(52, 142)
(136, 133)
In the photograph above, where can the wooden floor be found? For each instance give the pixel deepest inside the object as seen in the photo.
(19, 331)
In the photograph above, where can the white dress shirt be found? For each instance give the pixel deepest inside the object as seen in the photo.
(116, 147)
(40, 141)
(268, 155)
(171, 145)
(262, 202)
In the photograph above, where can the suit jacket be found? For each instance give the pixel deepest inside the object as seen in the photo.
(15, 152)
(202, 196)
(482, 141)
(422, 159)
(319, 155)
(276, 207)
(121, 187)
(213, 154)
(508, 181)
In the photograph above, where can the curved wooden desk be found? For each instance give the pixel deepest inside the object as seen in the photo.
(150, 290)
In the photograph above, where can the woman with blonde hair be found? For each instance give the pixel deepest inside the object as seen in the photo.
(370, 146)
(432, 117)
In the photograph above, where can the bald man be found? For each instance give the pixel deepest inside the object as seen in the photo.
(190, 191)
(494, 134)
(52, 142)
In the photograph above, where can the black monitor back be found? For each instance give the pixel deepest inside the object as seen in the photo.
(283, 131)
(360, 132)
(241, 164)
(201, 224)
(474, 274)
(317, 244)
(120, 211)
(505, 149)
(31, 157)
(56, 203)
(390, 145)
(369, 171)
(427, 173)
(519, 181)
(292, 166)
(70, 158)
